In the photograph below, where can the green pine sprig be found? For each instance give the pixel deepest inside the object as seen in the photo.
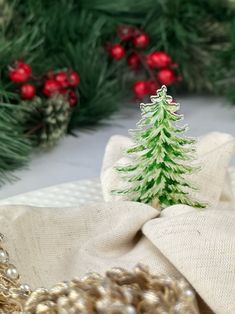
(15, 147)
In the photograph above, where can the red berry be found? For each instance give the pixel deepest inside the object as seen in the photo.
(50, 87)
(141, 40)
(125, 32)
(152, 86)
(20, 72)
(158, 59)
(62, 79)
(28, 91)
(18, 75)
(166, 76)
(25, 66)
(117, 52)
(73, 79)
(72, 98)
(133, 60)
(140, 88)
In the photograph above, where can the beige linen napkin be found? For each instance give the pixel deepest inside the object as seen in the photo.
(50, 244)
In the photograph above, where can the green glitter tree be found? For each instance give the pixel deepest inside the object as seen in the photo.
(161, 157)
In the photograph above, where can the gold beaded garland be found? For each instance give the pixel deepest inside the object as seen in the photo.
(10, 301)
(118, 292)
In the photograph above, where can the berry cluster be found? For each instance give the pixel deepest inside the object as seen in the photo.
(157, 65)
(62, 82)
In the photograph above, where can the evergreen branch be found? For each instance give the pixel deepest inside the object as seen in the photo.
(15, 147)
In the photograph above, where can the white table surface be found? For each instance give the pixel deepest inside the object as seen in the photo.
(81, 158)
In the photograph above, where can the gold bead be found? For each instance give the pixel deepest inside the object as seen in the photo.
(59, 289)
(116, 271)
(63, 302)
(81, 306)
(151, 297)
(73, 295)
(44, 308)
(91, 276)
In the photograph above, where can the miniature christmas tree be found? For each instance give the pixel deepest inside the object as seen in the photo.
(158, 174)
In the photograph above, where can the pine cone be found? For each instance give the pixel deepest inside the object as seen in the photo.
(47, 120)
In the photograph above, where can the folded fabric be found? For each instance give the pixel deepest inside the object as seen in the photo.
(48, 245)
(214, 152)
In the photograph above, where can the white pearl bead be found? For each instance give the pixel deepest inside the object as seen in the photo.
(25, 288)
(188, 293)
(3, 256)
(130, 309)
(12, 272)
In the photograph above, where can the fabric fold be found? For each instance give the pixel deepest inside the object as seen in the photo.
(201, 245)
